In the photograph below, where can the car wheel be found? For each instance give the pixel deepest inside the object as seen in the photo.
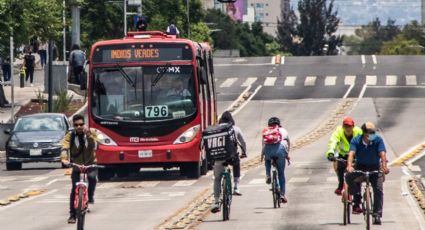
(13, 166)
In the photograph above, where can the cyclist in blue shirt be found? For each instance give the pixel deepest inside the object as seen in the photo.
(370, 153)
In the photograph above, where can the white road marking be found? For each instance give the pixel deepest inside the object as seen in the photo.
(282, 60)
(244, 64)
(184, 183)
(257, 181)
(371, 79)
(37, 179)
(330, 80)
(248, 100)
(303, 171)
(109, 185)
(391, 80)
(375, 61)
(51, 182)
(310, 81)
(228, 82)
(249, 81)
(300, 101)
(3, 208)
(349, 80)
(271, 71)
(363, 60)
(411, 80)
(348, 91)
(174, 194)
(290, 81)
(145, 194)
(6, 179)
(332, 179)
(146, 184)
(270, 81)
(298, 179)
(273, 60)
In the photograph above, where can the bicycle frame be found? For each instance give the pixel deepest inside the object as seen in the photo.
(275, 187)
(226, 185)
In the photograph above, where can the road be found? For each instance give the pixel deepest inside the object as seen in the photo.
(304, 92)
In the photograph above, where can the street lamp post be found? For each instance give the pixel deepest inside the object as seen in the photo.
(188, 19)
(125, 18)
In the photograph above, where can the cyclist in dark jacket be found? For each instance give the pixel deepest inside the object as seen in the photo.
(78, 146)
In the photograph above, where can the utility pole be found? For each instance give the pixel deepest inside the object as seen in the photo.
(49, 77)
(64, 32)
(75, 11)
(125, 18)
(188, 19)
(12, 59)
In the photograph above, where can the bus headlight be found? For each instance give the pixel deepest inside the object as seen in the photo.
(188, 135)
(104, 139)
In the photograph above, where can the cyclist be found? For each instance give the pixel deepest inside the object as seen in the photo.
(77, 58)
(78, 146)
(278, 148)
(339, 145)
(227, 117)
(370, 153)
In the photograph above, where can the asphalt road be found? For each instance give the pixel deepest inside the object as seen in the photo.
(303, 92)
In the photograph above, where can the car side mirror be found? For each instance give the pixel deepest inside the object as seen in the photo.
(7, 131)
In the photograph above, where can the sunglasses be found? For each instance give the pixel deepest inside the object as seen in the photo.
(78, 125)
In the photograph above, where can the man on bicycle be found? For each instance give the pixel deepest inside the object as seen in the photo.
(339, 145)
(78, 146)
(227, 117)
(278, 147)
(77, 58)
(370, 153)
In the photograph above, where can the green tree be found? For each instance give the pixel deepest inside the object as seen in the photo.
(200, 32)
(314, 32)
(399, 45)
(415, 31)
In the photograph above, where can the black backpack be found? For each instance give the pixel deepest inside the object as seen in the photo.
(220, 142)
(78, 58)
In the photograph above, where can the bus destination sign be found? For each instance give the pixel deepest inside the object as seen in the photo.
(142, 53)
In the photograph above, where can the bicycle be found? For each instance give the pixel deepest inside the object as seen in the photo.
(367, 203)
(346, 198)
(275, 187)
(226, 190)
(81, 190)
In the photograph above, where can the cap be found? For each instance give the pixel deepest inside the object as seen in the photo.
(348, 121)
(370, 127)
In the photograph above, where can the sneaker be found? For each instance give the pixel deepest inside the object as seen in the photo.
(357, 209)
(237, 192)
(215, 208)
(338, 191)
(268, 180)
(283, 199)
(32, 85)
(71, 219)
(377, 220)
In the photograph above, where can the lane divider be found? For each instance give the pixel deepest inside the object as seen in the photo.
(401, 160)
(198, 209)
(418, 191)
(16, 198)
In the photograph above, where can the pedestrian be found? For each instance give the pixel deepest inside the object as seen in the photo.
(29, 63)
(6, 68)
(43, 54)
(172, 29)
(77, 58)
(142, 23)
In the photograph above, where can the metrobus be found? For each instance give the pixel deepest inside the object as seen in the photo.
(150, 95)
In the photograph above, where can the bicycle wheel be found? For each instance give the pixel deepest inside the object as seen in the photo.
(225, 199)
(347, 207)
(274, 188)
(80, 210)
(367, 211)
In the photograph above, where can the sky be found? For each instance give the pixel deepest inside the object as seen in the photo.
(360, 12)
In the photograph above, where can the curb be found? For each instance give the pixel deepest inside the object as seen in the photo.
(401, 160)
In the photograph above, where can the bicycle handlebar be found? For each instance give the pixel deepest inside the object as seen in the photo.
(367, 172)
(86, 166)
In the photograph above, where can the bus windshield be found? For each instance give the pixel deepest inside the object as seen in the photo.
(149, 93)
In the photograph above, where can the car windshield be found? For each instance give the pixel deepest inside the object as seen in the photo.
(45, 123)
(149, 93)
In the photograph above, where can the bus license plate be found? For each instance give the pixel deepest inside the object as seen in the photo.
(35, 152)
(145, 153)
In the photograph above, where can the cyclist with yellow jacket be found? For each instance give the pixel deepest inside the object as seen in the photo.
(339, 146)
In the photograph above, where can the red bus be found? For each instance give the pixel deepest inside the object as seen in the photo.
(150, 96)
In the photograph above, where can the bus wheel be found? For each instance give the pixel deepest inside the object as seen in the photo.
(105, 174)
(191, 170)
(123, 171)
(204, 167)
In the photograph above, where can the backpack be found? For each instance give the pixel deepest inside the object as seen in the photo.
(271, 135)
(78, 58)
(172, 30)
(219, 142)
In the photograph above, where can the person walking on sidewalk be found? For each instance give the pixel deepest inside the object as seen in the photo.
(29, 63)
(6, 68)
(43, 54)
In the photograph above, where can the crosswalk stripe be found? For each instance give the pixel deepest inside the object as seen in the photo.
(249, 81)
(349, 80)
(330, 80)
(228, 82)
(310, 81)
(298, 179)
(371, 80)
(269, 81)
(184, 183)
(411, 80)
(391, 80)
(174, 194)
(109, 185)
(290, 81)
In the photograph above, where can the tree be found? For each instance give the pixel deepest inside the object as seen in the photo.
(313, 33)
(200, 32)
(415, 31)
(399, 45)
